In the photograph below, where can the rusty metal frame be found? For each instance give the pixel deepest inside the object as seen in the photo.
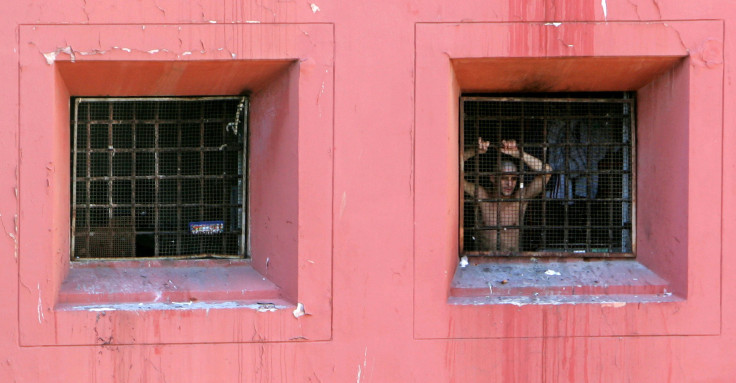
(628, 171)
(242, 201)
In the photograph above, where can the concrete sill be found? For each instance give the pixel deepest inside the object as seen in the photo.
(161, 282)
(557, 282)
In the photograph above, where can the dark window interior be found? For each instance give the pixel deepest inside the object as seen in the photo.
(158, 177)
(579, 199)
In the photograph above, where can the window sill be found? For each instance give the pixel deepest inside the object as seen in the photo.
(156, 283)
(535, 282)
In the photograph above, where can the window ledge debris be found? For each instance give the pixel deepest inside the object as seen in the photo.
(174, 284)
(610, 281)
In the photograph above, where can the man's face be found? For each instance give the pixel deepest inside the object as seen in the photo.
(506, 181)
(507, 184)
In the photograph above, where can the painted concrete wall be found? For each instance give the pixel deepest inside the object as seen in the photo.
(354, 113)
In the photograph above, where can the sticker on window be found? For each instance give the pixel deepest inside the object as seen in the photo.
(206, 228)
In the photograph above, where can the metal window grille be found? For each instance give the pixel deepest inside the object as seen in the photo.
(582, 205)
(159, 177)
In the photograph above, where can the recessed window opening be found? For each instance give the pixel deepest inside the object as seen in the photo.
(548, 175)
(159, 177)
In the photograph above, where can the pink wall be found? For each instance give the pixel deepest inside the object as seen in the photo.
(354, 212)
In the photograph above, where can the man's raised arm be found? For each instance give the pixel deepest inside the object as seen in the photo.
(469, 187)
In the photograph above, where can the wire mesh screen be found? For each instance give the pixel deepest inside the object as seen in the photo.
(549, 176)
(158, 177)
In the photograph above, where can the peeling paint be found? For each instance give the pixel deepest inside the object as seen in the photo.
(252, 22)
(314, 7)
(12, 235)
(102, 309)
(558, 300)
(92, 52)
(173, 306)
(40, 305)
(464, 261)
(51, 56)
(299, 311)
(266, 307)
(614, 304)
(605, 10)
(365, 363)
(554, 24)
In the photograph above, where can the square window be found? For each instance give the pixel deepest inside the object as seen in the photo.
(148, 184)
(547, 175)
(289, 187)
(677, 204)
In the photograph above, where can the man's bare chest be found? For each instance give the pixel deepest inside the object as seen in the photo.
(503, 213)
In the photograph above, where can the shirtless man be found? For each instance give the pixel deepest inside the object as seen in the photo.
(504, 187)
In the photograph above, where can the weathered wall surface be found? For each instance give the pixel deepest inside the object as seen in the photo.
(364, 325)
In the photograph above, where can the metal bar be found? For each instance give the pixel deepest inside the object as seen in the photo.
(160, 150)
(572, 172)
(74, 180)
(244, 171)
(168, 257)
(163, 177)
(501, 227)
(593, 100)
(556, 254)
(133, 165)
(88, 184)
(158, 99)
(519, 118)
(566, 232)
(226, 192)
(544, 161)
(497, 206)
(110, 159)
(588, 193)
(114, 121)
(461, 174)
(156, 164)
(151, 205)
(178, 183)
(521, 200)
(201, 171)
(175, 232)
(632, 164)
